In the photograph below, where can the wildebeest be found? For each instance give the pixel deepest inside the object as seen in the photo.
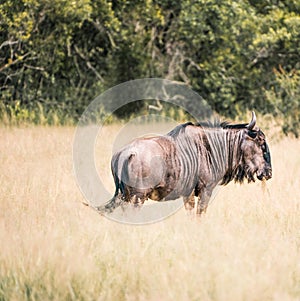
(189, 161)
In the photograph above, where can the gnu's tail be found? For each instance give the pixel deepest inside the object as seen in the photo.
(121, 179)
(108, 207)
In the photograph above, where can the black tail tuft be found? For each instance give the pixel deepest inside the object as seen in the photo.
(110, 206)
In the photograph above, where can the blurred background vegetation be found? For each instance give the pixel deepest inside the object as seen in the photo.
(58, 55)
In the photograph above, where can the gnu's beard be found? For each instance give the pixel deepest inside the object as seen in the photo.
(250, 173)
(245, 172)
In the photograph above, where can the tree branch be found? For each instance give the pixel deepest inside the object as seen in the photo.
(88, 63)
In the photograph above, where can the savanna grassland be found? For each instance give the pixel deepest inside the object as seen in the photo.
(246, 247)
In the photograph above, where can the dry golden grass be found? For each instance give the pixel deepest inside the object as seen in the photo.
(247, 246)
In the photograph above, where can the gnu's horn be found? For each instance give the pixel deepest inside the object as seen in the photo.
(251, 125)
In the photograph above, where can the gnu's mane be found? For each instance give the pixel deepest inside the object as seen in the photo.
(227, 125)
(207, 125)
(178, 129)
(221, 124)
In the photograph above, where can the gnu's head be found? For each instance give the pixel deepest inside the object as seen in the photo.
(256, 155)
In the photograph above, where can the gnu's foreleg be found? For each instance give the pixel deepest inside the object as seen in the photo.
(137, 201)
(203, 200)
(189, 202)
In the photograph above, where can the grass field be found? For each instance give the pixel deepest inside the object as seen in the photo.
(247, 246)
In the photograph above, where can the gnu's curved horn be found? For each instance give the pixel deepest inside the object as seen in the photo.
(251, 125)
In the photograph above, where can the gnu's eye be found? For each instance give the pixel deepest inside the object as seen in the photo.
(252, 134)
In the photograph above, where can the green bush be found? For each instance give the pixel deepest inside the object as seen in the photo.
(57, 56)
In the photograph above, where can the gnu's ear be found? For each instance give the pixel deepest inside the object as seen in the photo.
(252, 134)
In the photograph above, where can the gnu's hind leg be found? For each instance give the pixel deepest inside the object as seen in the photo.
(137, 201)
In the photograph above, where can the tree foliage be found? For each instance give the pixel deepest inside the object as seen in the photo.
(238, 55)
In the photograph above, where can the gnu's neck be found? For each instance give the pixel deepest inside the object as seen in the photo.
(234, 169)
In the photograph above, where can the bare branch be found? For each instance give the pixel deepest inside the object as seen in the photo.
(102, 29)
(88, 63)
(34, 68)
(156, 108)
(94, 70)
(8, 43)
(19, 59)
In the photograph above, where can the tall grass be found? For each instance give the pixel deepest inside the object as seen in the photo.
(247, 246)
